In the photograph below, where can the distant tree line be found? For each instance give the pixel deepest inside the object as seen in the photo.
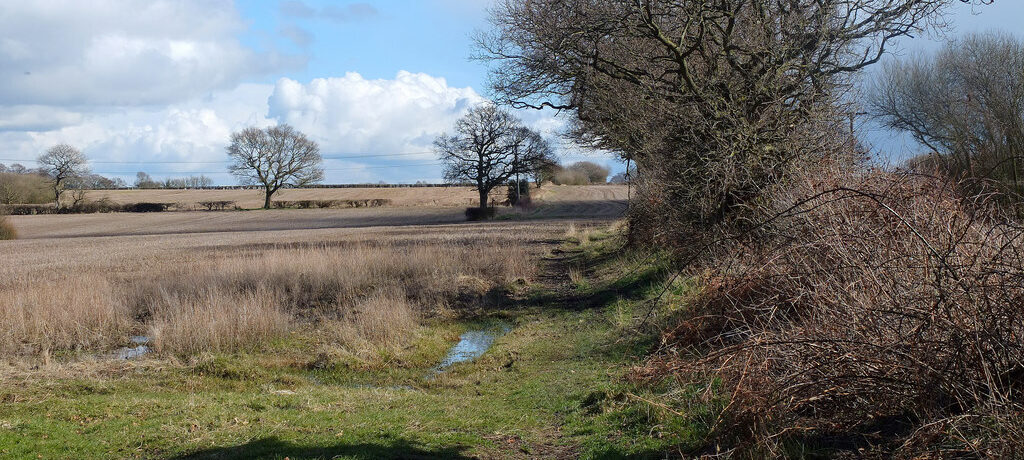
(489, 147)
(143, 180)
(579, 173)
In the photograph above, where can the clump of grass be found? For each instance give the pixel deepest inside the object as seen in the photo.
(7, 231)
(578, 279)
(384, 319)
(217, 321)
(372, 295)
(67, 313)
(571, 232)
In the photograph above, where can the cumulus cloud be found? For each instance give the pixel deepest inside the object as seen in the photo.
(134, 52)
(139, 81)
(354, 114)
(191, 134)
(348, 115)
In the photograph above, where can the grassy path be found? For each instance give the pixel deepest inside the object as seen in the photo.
(551, 388)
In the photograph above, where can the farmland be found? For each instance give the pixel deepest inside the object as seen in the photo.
(398, 196)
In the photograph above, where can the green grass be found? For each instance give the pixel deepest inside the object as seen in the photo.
(555, 386)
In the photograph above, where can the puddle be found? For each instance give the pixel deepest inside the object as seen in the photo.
(472, 344)
(140, 348)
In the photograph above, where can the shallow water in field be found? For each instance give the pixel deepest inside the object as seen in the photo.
(472, 344)
(140, 348)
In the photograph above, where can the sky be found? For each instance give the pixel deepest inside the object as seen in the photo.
(159, 85)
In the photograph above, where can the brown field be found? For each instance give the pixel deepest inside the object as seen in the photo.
(401, 197)
(198, 281)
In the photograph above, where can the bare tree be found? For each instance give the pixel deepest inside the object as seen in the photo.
(490, 147)
(63, 164)
(965, 105)
(533, 154)
(273, 158)
(716, 101)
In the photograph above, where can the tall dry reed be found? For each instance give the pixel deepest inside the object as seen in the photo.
(7, 231)
(374, 292)
(81, 312)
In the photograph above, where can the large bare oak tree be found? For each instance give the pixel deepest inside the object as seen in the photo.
(489, 147)
(63, 163)
(273, 158)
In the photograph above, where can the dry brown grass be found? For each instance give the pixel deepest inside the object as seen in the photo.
(223, 291)
(216, 320)
(7, 231)
(79, 312)
(242, 299)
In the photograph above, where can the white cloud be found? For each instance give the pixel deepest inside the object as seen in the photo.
(353, 114)
(348, 115)
(136, 81)
(195, 131)
(133, 52)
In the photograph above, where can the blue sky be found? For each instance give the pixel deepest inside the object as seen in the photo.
(1003, 15)
(159, 85)
(377, 40)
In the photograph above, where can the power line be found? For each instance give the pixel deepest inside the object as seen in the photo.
(326, 170)
(374, 155)
(328, 157)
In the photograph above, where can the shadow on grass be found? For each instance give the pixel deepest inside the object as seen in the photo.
(631, 286)
(272, 447)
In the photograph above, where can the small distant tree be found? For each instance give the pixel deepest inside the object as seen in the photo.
(519, 192)
(545, 171)
(63, 164)
(143, 180)
(273, 158)
(533, 154)
(489, 148)
(595, 173)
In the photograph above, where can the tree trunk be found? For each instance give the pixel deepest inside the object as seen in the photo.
(483, 197)
(266, 199)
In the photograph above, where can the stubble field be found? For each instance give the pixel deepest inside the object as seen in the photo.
(398, 196)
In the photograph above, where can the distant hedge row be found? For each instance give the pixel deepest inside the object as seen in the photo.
(85, 208)
(108, 206)
(307, 204)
